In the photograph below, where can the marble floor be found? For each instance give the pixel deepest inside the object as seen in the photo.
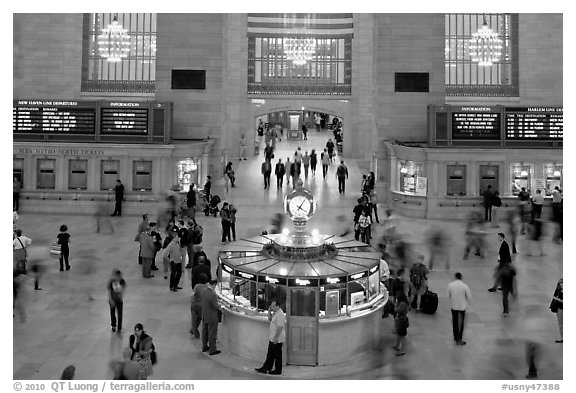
(64, 326)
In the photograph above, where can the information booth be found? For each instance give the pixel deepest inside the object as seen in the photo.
(330, 288)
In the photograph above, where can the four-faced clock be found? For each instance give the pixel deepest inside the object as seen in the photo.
(299, 205)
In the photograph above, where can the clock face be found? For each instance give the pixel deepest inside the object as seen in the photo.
(300, 206)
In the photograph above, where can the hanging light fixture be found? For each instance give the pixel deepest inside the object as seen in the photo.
(299, 50)
(114, 42)
(485, 46)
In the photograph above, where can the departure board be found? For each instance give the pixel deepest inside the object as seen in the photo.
(477, 123)
(536, 123)
(124, 120)
(67, 118)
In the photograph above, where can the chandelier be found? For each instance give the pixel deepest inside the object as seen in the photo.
(114, 42)
(485, 46)
(299, 50)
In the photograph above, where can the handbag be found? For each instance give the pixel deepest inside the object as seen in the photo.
(55, 250)
(554, 306)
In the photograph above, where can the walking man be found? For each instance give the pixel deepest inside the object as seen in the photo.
(325, 159)
(266, 171)
(504, 258)
(279, 171)
(210, 310)
(460, 297)
(119, 197)
(342, 175)
(116, 288)
(276, 337)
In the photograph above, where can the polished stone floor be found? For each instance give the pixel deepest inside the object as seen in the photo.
(64, 327)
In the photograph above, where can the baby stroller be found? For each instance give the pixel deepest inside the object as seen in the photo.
(212, 207)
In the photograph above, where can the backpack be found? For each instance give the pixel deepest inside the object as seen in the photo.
(418, 274)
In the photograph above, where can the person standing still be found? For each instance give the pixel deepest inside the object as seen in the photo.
(342, 175)
(210, 310)
(496, 204)
(460, 296)
(64, 241)
(225, 216)
(233, 212)
(557, 307)
(176, 257)
(279, 171)
(118, 197)
(488, 201)
(116, 288)
(277, 336)
(16, 187)
(243, 146)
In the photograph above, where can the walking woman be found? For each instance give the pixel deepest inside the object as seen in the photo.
(557, 307)
(64, 241)
(142, 347)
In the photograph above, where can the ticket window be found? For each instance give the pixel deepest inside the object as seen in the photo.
(142, 176)
(46, 174)
(456, 182)
(488, 176)
(18, 169)
(521, 178)
(552, 177)
(187, 173)
(109, 170)
(77, 177)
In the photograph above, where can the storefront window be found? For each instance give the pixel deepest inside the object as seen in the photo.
(46, 174)
(142, 176)
(521, 177)
(456, 182)
(77, 179)
(410, 171)
(187, 173)
(552, 177)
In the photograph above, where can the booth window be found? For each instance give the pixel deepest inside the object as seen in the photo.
(488, 177)
(187, 173)
(77, 179)
(456, 182)
(333, 299)
(553, 177)
(521, 175)
(18, 169)
(409, 173)
(268, 292)
(463, 76)
(357, 292)
(109, 170)
(46, 174)
(135, 73)
(142, 176)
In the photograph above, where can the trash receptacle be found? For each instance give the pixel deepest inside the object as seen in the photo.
(256, 147)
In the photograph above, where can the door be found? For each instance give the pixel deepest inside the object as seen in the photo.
(302, 337)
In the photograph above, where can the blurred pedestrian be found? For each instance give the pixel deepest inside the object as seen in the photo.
(196, 304)
(534, 236)
(496, 204)
(401, 323)
(514, 223)
(266, 171)
(306, 163)
(68, 373)
(557, 307)
(557, 200)
(16, 188)
(191, 201)
(313, 161)
(488, 202)
(537, 204)
(325, 159)
(125, 369)
(460, 297)
(287, 168)
(374, 204)
(438, 248)
(102, 217)
(279, 171)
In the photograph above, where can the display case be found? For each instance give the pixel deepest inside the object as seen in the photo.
(410, 171)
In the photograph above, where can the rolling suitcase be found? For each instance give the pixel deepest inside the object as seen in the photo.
(429, 302)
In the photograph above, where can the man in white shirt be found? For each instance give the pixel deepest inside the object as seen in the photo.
(277, 337)
(460, 297)
(19, 245)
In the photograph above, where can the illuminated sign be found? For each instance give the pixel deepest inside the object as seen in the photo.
(227, 268)
(357, 275)
(476, 123)
(536, 123)
(272, 280)
(303, 282)
(373, 269)
(245, 275)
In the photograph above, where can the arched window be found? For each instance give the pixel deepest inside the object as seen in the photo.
(466, 77)
(136, 72)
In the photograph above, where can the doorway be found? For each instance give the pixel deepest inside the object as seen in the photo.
(302, 318)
